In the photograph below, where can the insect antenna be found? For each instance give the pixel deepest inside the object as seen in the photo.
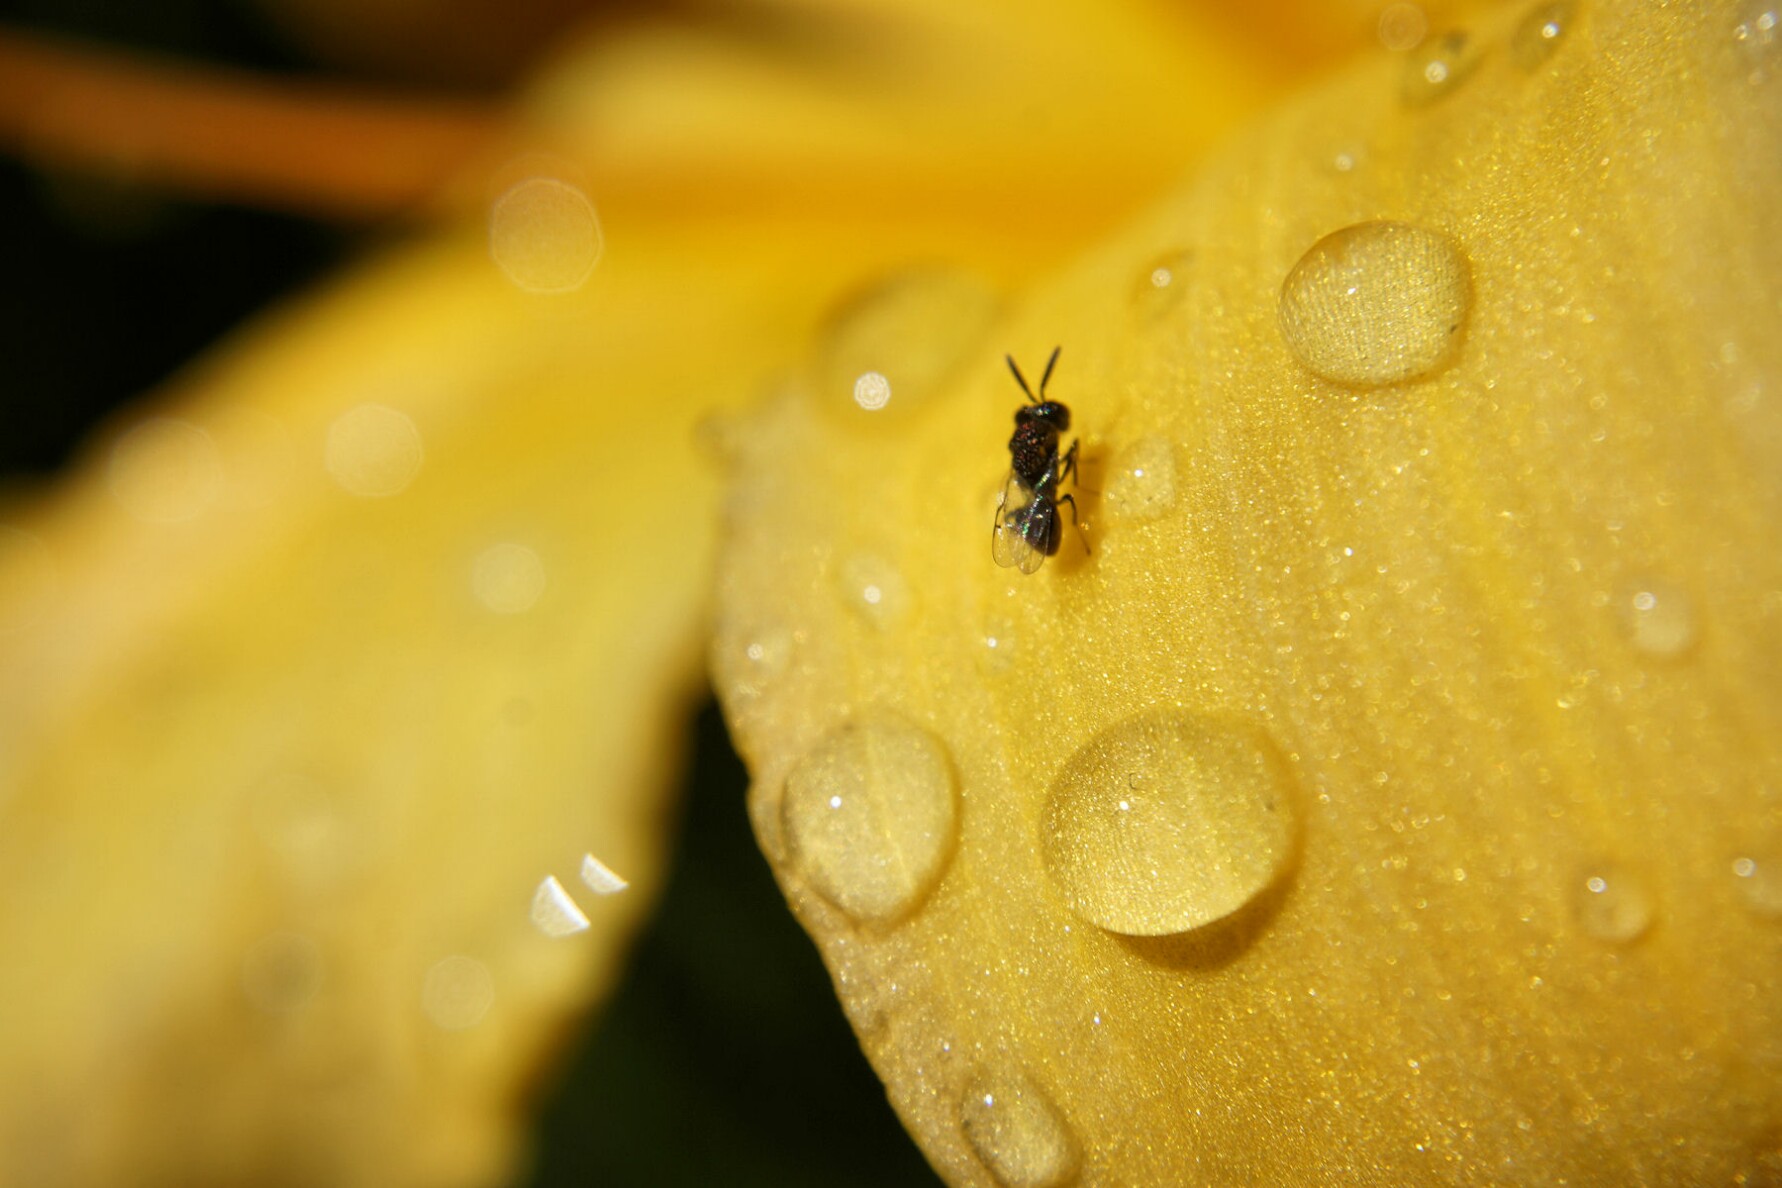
(1022, 380)
(1050, 363)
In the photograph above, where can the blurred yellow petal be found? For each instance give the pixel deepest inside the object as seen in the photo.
(1384, 786)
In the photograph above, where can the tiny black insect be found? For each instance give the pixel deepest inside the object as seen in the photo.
(1027, 528)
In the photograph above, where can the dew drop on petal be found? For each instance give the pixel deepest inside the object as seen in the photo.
(554, 913)
(870, 816)
(508, 578)
(457, 992)
(911, 331)
(1660, 618)
(163, 471)
(1016, 1131)
(1142, 481)
(1438, 66)
(600, 878)
(1159, 286)
(998, 651)
(1401, 26)
(1540, 31)
(874, 589)
(544, 235)
(1612, 905)
(1759, 879)
(1168, 822)
(28, 581)
(373, 451)
(1376, 303)
(282, 972)
(1758, 35)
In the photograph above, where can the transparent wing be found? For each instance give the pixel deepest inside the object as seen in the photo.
(1023, 523)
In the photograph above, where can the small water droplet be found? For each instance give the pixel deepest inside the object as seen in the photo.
(1017, 1131)
(1612, 905)
(373, 451)
(164, 471)
(1142, 485)
(1438, 66)
(874, 589)
(1758, 34)
(1540, 32)
(1401, 26)
(544, 235)
(28, 581)
(1376, 303)
(870, 815)
(1160, 286)
(457, 992)
(508, 578)
(282, 972)
(601, 878)
(1759, 880)
(1660, 618)
(554, 913)
(998, 654)
(872, 391)
(907, 334)
(1168, 822)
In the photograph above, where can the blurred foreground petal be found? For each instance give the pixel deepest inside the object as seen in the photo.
(1391, 794)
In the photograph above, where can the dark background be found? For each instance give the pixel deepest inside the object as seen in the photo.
(724, 1058)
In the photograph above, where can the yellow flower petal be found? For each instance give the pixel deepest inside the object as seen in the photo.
(1383, 786)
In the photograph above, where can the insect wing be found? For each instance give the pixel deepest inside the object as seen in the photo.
(1023, 525)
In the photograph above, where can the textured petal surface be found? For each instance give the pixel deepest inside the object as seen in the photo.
(1383, 786)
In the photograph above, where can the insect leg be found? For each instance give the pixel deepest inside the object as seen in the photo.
(1076, 523)
(1069, 467)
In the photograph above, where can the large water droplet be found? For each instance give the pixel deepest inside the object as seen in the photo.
(870, 816)
(905, 336)
(554, 913)
(1016, 1131)
(1435, 68)
(1142, 485)
(164, 471)
(1540, 33)
(373, 451)
(1759, 880)
(544, 235)
(1659, 616)
(457, 992)
(1376, 303)
(1612, 904)
(508, 578)
(1169, 821)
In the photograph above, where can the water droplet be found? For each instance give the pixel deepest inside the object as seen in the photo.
(508, 578)
(911, 332)
(1401, 26)
(998, 654)
(163, 471)
(554, 913)
(1612, 905)
(600, 877)
(373, 451)
(1438, 66)
(457, 992)
(1759, 880)
(1160, 286)
(1376, 303)
(1142, 485)
(1758, 34)
(544, 235)
(874, 589)
(1169, 821)
(870, 816)
(1540, 32)
(28, 581)
(1659, 617)
(1016, 1131)
(282, 972)
(872, 391)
